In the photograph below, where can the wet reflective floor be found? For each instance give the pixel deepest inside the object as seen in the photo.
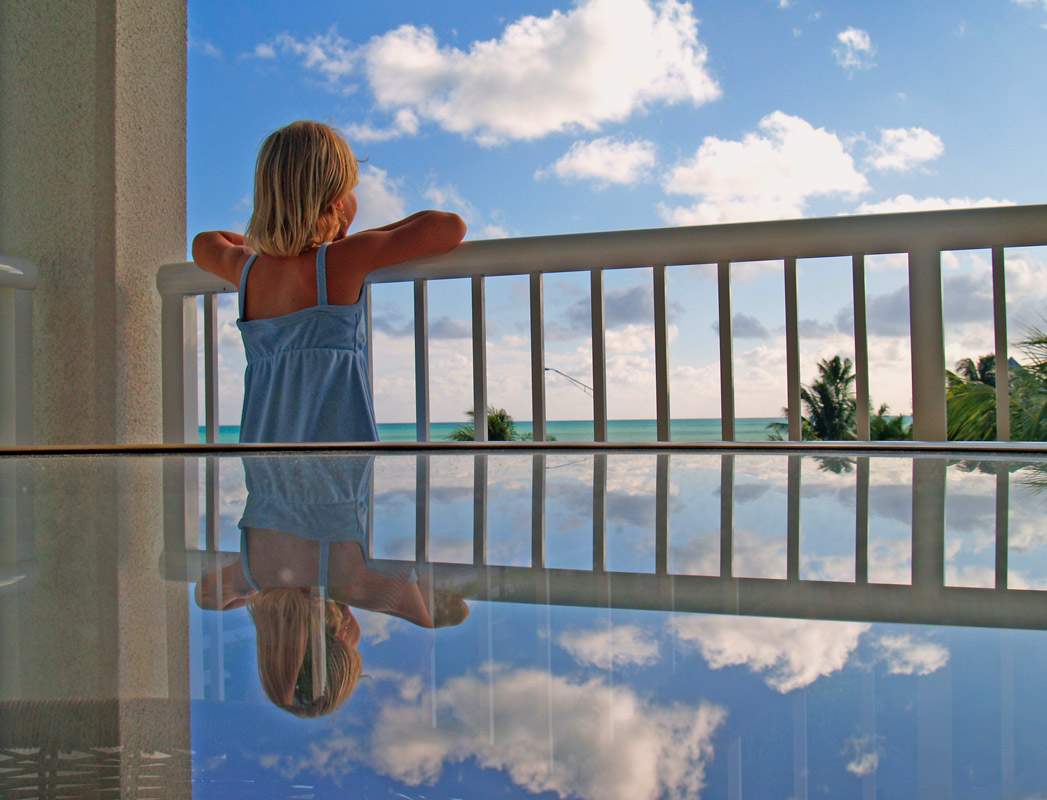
(562, 624)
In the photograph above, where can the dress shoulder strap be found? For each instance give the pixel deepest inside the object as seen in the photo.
(321, 275)
(243, 282)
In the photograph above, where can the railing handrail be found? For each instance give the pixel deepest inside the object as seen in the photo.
(869, 234)
(17, 273)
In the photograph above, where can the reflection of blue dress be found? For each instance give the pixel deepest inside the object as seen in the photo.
(307, 376)
(322, 499)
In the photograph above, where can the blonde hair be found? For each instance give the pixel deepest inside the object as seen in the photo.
(285, 667)
(303, 169)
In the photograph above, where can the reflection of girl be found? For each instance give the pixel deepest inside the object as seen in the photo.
(302, 564)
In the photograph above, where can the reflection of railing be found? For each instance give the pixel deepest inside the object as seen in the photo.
(17, 281)
(926, 600)
(922, 236)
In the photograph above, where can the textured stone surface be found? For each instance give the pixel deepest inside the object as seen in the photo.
(92, 189)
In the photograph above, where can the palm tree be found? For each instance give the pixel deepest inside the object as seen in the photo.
(500, 428)
(829, 401)
(883, 426)
(971, 394)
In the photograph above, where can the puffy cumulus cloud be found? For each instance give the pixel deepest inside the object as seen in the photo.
(906, 202)
(906, 655)
(333, 756)
(600, 62)
(1031, 3)
(404, 122)
(769, 174)
(854, 50)
(665, 754)
(605, 161)
(611, 647)
(627, 305)
(903, 148)
(379, 199)
(788, 653)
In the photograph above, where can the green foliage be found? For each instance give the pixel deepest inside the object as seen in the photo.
(831, 411)
(884, 427)
(971, 394)
(500, 428)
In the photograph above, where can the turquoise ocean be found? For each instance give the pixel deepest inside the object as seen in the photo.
(618, 430)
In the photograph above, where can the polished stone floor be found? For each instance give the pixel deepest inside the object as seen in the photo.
(546, 624)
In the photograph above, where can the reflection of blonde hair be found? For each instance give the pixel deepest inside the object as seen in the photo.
(303, 169)
(285, 666)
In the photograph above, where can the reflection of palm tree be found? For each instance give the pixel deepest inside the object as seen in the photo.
(971, 394)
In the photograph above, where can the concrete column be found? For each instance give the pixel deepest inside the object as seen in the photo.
(92, 190)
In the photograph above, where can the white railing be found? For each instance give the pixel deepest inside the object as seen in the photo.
(923, 236)
(17, 282)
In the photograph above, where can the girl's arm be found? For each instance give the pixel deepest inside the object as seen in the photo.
(427, 233)
(220, 252)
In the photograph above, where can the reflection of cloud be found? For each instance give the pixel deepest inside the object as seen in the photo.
(905, 655)
(376, 628)
(788, 653)
(332, 756)
(614, 646)
(864, 758)
(664, 755)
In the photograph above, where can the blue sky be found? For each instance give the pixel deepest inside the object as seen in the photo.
(533, 118)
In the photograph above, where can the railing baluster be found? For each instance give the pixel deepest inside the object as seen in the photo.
(178, 359)
(792, 352)
(661, 516)
(723, 285)
(210, 368)
(726, 516)
(421, 361)
(927, 338)
(1003, 506)
(599, 357)
(600, 512)
(479, 360)
(538, 510)
(999, 314)
(421, 509)
(538, 411)
(369, 323)
(861, 522)
(211, 499)
(16, 367)
(861, 348)
(661, 353)
(792, 566)
(928, 524)
(480, 510)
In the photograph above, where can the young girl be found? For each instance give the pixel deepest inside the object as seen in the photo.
(303, 312)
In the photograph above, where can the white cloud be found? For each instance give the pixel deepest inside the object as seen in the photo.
(203, 46)
(865, 759)
(788, 653)
(615, 646)
(329, 54)
(379, 199)
(405, 122)
(905, 655)
(903, 148)
(600, 62)
(664, 755)
(906, 202)
(1031, 3)
(606, 161)
(855, 50)
(264, 50)
(768, 174)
